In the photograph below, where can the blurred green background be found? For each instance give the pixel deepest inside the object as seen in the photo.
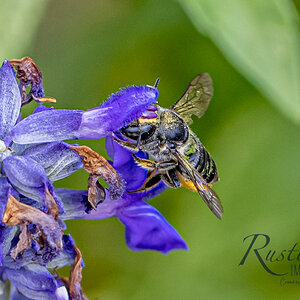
(89, 49)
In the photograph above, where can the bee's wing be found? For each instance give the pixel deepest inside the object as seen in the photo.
(210, 198)
(195, 99)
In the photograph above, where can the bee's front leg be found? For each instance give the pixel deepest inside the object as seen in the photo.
(152, 165)
(127, 145)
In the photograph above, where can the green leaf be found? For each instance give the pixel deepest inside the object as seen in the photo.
(261, 39)
(19, 21)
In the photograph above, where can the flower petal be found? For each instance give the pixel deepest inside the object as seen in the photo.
(10, 99)
(120, 108)
(30, 179)
(5, 190)
(97, 166)
(124, 163)
(75, 203)
(147, 229)
(7, 233)
(49, 234)
(34, 282)
(134, 175)
(58, 160)
(48, 126)
(61, 293)
(58, 125)
(65, 257)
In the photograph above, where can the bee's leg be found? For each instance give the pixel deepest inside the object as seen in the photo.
(152, 180)
(127, 145)
(157, 166)
(144, 163)
(149, 146)
(171, 179)
(140, 135)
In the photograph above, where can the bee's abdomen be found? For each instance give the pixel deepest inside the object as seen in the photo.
(206, 166)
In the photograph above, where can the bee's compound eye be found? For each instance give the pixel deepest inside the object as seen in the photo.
(132, 132)
(177, 133)
(147, 131)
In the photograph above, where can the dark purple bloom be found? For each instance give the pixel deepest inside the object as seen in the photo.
(56, 125)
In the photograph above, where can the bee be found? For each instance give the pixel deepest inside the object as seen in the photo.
(179, 158)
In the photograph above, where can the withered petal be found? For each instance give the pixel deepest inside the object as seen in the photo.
(24, 241)
(75, 290)
(17, 213)
(98, 166)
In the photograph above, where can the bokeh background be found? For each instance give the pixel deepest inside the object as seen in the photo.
(89, 49)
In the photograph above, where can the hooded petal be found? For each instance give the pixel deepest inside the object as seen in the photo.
(120, 108)
(58, 160)
(34, 282)
(57, 125)
(29, 178)
(10, 99)
(147, 229)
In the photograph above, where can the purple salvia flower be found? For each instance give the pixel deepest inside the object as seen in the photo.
(30, 168)
(24, 168)
(28, 199)
(57, 125)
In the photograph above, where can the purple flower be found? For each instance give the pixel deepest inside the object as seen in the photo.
(29, 278)
(31, 233)
(57, 125)
(33, 212)
(145, 227)
(29, 168)
(29, 250)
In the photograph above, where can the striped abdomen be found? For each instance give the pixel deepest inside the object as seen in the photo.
(201, 160)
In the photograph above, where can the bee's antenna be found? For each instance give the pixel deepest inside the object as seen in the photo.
(156, 82)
